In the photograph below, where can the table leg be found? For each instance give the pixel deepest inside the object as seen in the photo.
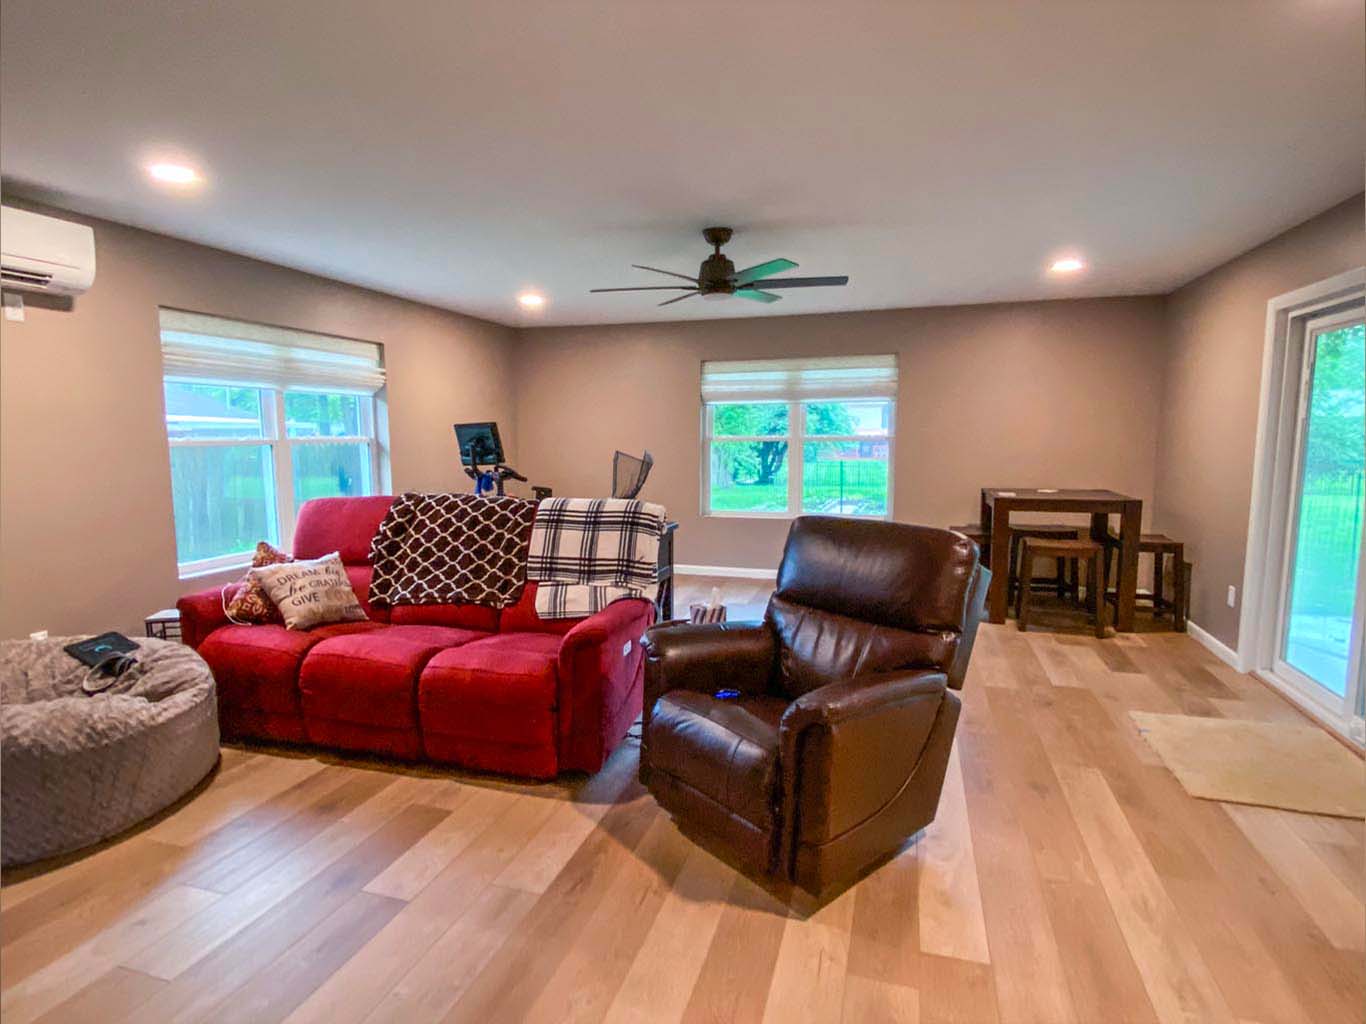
(1126, 586)
(1179, 583)
(1100, 533)
(997, 522)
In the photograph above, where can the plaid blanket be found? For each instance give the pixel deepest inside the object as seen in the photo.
(451, 549)
(588, 552)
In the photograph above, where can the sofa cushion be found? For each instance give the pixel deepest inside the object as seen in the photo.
(462, 616)
(501, 688)
(522, 618)
(370, 678)
(344, 525)
(726, 750)
(257, 667)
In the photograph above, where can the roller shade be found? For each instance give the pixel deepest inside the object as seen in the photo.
(794, 380)
(199, 347)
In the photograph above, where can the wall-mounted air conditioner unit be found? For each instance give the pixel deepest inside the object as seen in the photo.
(44, 254)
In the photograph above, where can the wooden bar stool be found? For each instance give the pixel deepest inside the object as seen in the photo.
(1076, 551)
(1044, 531)
(1020, 570)
(1160, 546)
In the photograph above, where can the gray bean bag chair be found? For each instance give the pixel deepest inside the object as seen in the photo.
(75, 769)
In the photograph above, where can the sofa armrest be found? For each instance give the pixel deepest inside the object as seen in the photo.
(599, 674)
(848, 749)
(200, 614)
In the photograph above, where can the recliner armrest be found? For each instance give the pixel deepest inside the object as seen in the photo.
(707, 657)
(597, 665)
(863, 695)
(849, 749)
(704, 657)
(200, 614)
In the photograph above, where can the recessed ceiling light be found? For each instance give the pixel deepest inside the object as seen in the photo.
(173, 174)
(1067, 265)
(530, 300)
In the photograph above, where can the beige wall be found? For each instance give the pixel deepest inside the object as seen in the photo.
(1153, 396)
(1035, 394)
(1212, 385)
(86, 541)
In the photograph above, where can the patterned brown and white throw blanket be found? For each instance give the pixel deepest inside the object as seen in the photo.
(588, 552)
(451, 549)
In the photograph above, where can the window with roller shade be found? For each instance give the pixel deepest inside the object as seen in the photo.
(784, 437)
(260, 419)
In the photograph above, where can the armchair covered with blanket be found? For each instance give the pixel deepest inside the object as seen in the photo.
(812, 744)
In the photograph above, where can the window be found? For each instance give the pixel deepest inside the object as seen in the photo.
(260, 420)
(789, 435)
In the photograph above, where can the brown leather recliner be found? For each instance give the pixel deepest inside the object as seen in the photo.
(835, 751)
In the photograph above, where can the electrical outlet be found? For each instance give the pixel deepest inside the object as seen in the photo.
(1232, 597)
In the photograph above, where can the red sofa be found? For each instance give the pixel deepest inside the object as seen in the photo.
(502, 691)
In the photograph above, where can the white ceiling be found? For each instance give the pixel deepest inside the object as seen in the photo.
(940, 151)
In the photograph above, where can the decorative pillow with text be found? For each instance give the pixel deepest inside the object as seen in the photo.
(310, 593)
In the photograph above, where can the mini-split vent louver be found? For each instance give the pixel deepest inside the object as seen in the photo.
(25, 279)
(44, 254)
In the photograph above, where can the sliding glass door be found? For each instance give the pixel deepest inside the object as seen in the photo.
(1321, 604)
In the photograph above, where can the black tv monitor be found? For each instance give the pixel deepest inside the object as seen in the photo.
(479, 443)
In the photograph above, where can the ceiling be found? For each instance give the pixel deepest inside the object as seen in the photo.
(943, 151)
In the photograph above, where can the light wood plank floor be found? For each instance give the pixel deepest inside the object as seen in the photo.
(1068, 878)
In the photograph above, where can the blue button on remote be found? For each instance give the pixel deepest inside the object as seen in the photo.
(727, 694)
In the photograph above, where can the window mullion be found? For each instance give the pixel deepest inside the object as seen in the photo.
(284, 472)
(796, 430)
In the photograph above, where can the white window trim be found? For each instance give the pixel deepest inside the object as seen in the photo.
(280, 447)
(796, 417)
(1259, 621)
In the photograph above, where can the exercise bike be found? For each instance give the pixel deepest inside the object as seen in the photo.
(481, 457)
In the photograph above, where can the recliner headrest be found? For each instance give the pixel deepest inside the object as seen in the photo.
(891, 574)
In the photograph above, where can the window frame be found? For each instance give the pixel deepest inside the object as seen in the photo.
(279, 446)
(797, 436)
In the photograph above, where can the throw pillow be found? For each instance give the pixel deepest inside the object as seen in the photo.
(244, 601)
(311, 593)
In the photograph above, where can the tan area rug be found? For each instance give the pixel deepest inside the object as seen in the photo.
(1270, 764)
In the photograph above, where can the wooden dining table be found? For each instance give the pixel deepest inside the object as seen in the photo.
(999, 502)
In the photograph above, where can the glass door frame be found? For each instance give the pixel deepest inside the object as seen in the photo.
(1283, 670)
(1274, 481)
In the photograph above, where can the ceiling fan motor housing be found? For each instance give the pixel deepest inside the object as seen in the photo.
(713, 276)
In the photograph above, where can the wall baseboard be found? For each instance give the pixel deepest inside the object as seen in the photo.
(732, 571)
(1213, 644)
(1349, 730)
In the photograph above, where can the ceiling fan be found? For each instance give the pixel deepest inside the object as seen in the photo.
(717, 277)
